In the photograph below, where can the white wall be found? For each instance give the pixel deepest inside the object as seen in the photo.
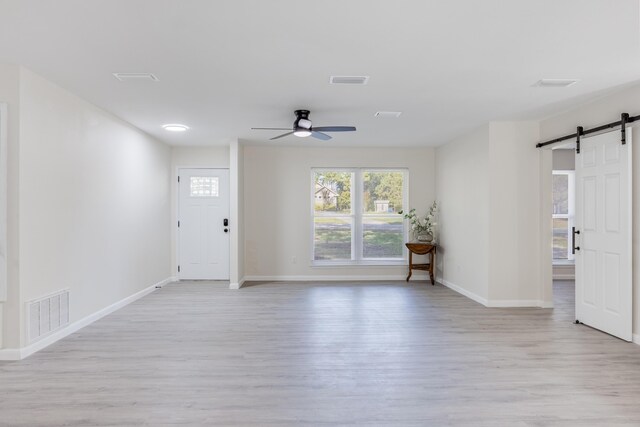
(489, 191)
(241, 216)
(10, 309)
(190, 157)
(514, 215)
(236, 221)
(462, 189)
(200, 157)
(589, 115)
(564, 159)
(94, 201)
(277, 204)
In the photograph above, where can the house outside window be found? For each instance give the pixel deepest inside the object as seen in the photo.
(563, 214)
(355, 216)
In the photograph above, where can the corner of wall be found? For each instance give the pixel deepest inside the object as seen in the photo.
(462, 189)
(514, 219)
(236, 214)
(130, 170)
(10, 325)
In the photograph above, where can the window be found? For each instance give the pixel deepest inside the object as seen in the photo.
(563, 207)
(204, 186)
(355, 216)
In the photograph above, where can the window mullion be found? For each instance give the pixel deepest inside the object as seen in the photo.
(357, 216)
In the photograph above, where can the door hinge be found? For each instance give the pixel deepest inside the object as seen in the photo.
(178, 224)
(178, 178)
(178, 269)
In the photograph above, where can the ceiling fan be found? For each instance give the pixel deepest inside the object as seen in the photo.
(303, 127)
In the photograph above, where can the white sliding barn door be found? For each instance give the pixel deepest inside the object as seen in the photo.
(203, 231)
(603, 220)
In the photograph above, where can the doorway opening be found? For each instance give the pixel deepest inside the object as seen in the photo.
(601, 241)
(563, 221)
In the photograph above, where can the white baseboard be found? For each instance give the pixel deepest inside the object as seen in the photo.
(237, 285)
(506, 303)
(21, 353)
(10, 354)
(166, 281)
(333, 278)
(477, 298)
(546, 304)
(494, 303)
(636, 339)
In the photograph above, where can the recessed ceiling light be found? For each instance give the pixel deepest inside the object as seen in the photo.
(135, 76)
(174, 127)
(556, 82)
(349, 80)
(388, 114)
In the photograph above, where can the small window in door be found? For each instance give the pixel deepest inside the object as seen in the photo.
(204, 186)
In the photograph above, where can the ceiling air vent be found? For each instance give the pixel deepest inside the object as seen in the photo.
(556, 82)
(388, 114)
(349, 80)
(125, 77)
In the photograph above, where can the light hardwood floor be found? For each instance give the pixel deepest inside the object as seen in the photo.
(316, 354)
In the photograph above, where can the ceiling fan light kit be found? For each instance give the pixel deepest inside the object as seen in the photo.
(303, 127)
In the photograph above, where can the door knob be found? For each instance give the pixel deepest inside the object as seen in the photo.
(226, 230)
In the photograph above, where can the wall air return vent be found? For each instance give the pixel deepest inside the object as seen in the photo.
(127, 77)
(349, 80)
(47, 314)
(556, 82)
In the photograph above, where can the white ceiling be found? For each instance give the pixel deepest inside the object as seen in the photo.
(227, 65)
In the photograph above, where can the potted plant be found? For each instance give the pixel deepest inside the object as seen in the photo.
(422, 228)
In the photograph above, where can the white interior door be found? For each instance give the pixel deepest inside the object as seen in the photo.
(603, 220)
(203, 234)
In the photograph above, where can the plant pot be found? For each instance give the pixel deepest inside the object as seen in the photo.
(424, 238)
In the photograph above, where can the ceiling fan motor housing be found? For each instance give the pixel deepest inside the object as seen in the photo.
(302, 120)
(302, 127)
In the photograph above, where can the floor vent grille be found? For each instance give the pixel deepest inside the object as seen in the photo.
(48, 314)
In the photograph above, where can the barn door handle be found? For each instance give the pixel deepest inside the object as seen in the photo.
(574, 248)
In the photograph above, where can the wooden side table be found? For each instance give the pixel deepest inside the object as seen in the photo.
(422, 249)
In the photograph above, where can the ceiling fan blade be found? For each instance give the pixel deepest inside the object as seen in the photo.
(281, 136)
(271, 128)
(335, 128)
(320, 135)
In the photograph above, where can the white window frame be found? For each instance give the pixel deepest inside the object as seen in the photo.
(570, 216)
(357, 214)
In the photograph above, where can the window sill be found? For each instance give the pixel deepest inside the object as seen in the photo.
(563, 262)
(373, 263)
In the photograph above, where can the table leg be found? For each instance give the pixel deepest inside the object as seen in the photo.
(410, 263)
(433, 261)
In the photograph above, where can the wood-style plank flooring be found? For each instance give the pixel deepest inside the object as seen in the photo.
(383, 354)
